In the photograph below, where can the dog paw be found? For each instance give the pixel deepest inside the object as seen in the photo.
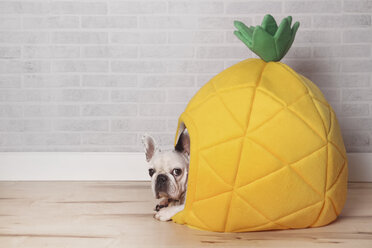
(164, 215)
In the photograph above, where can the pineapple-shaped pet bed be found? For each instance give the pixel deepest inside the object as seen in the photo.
(266, 148)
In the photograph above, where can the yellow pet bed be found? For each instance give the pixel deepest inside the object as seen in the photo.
(266, 148)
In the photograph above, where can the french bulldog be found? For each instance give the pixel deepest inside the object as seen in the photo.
(168, 171)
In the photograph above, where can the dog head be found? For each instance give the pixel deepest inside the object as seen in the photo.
(168, 169)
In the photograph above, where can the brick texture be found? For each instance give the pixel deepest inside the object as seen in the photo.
(95, 75)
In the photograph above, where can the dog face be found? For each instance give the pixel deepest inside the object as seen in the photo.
(168, 169)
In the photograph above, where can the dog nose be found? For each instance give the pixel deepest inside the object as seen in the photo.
(161, 179)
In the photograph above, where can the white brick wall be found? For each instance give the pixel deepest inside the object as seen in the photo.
(93, 75)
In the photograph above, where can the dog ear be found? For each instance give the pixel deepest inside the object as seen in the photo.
(183, 144)
(150, 146)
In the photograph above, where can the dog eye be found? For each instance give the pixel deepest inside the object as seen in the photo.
(151, 172)
(176, 172)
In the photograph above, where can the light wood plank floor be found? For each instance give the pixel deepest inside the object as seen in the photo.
(119, 214)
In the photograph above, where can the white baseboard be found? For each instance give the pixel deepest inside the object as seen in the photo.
(360, 167)
(85, 166)
(91, 166)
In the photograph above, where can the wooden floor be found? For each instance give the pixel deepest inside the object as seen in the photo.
(119, 214)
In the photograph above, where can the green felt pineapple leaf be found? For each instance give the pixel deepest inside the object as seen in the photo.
(268, 41)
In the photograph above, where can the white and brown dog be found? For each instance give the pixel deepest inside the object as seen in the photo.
(168, 171)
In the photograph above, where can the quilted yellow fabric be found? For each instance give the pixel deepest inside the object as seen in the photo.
(266, 152)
